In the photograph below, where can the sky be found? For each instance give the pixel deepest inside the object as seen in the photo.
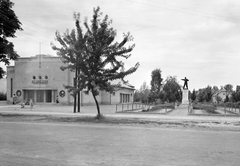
(184, 38)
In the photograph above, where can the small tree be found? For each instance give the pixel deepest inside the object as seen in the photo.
(193, 95)
(172, 89)
(9, 24)
(156, 84)
(142, 94)
(99, 63)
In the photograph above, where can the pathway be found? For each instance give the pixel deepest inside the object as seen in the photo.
(182, 110)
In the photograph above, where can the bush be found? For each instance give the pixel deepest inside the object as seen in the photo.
(163, 106)
(3, 96)
(211, 109)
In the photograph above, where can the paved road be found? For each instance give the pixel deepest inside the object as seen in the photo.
(27, 144)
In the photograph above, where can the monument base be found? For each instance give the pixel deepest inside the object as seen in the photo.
(185, 100)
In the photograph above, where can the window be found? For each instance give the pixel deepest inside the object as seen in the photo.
(124, 98)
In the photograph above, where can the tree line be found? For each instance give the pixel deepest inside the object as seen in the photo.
(161, 90)
(169, 90)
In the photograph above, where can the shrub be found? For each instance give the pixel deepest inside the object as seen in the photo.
(211, 109)
(163, 106)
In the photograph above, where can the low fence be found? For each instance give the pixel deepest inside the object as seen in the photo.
(229, 107)
(124, 107)
(223, 108)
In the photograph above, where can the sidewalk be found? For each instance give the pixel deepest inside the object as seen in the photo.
(108, 111)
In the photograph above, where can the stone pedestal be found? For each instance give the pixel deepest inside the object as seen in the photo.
(185, 97)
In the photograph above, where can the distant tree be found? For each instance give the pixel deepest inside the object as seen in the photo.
(99, 64)
(226, 99)
(143, 93)
(208, 94)
(193, 95)
(237, 88)
(172, 89)
(228, 88)
(218, 99)
(9, 24)
(205, 94)
(235, 97)
(201, 95)
(162, 96)
(215, 89)
(156, 84)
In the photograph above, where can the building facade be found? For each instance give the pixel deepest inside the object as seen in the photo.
(220, 96)
(40, 78)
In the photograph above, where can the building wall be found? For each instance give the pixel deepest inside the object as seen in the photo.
(10, 86)
(46, 67)
(222, 94)
(26, 75)
(3, 85)
(87, 99)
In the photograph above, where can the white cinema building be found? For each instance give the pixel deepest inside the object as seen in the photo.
(41, 79)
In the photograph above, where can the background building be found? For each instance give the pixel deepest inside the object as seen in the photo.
(41, 79)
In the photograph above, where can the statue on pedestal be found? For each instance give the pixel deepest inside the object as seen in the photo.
(185, 83)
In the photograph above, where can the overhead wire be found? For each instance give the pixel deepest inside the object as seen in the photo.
(181, 10)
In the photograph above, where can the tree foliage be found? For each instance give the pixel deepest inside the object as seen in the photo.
(205, 94)
(235, 97)
(193, 95)
(156, 84)
(9, 24)
(228, 88)
(99, 57)
(172, 90)
(142, 94)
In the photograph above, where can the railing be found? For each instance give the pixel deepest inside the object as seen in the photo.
(125, 107)
(229, 107)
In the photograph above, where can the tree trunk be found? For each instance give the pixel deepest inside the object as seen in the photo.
(98, 109)
(75, 97)
(79, 91)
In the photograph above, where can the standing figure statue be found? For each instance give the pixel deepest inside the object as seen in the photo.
(185, 83)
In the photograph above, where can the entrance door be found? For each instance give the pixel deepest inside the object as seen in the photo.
(28, 94)
(48, 96)
(40, 96)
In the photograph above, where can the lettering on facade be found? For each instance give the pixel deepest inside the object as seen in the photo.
(39, 81)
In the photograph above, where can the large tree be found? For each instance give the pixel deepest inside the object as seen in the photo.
(9, 24)
(99, 63)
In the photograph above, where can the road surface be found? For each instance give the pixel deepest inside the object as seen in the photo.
(34, 143)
